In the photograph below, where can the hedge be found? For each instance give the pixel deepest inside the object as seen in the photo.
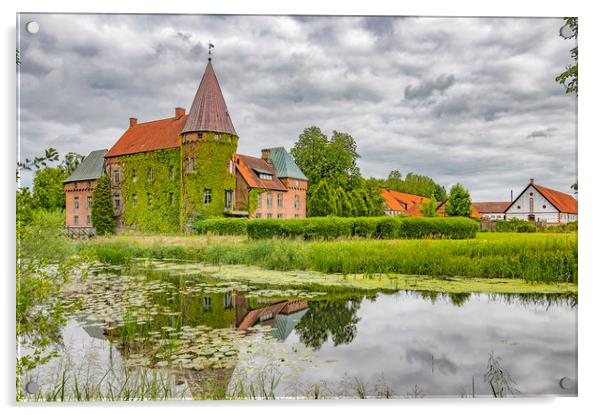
(382, 227)
(231, 226)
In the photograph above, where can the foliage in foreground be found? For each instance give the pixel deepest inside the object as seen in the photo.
(44, 263)
(334, 227)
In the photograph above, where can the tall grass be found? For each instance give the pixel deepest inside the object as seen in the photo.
(543, 258)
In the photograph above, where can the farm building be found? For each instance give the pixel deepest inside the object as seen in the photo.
(167, 173)
(399, 203)
(492, 210)
(541, 204)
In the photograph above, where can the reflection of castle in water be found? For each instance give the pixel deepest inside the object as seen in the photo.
(281, 315)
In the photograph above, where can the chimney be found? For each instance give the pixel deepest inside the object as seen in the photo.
(266, 156)
(531, 181)
(133, 121)
(511, 195)
(180, 112)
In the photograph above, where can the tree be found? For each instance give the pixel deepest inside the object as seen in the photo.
(459, 202)
(332, 160)
(322, 201)
(568, 78)
(575, 187)
(429, 208)
(310, 153)
(102, 207)
(70, 162)
(48, 189)
(336, 319)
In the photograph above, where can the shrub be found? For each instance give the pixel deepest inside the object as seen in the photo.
(231, 226)
(365, 227)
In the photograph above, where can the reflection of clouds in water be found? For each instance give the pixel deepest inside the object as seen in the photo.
(537, 343)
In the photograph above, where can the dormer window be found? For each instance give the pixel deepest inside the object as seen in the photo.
(264, 174)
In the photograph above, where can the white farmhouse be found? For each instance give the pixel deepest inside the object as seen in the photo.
(540, 204)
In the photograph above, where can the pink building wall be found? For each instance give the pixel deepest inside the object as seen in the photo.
(78, 203)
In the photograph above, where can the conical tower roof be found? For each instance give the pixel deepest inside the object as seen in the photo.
(208, 111)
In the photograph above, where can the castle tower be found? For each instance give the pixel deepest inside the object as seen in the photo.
(208, 142)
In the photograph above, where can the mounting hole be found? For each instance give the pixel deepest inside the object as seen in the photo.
(32, 387)
(566, 32)
(32, 27)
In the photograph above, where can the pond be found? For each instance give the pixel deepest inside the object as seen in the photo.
(210, 338)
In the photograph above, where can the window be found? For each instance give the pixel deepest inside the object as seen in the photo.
(75, 185)
(269, 199)
(296, 183)
(116, 176)
(258, 215)
(149, 197)
(544, 206)
(280, 216)
(207, 303)
(216, 136)
(172, 172)
(192, 164)
(89, 220)
(228, 197)
(231, 167)
(134, 174)
(265, 176)
(530, 193)
(89, 202)
(134, 200)
(76, 202)
(296, 216)
(149, 174)
(297, 202)
(531, 204)
(207, 196)
(228, 300)
(172, 199)
(116, 202)
(76, 220)
(259, 200)
(269, 215)
(89, 183)
(518, 207)
(279, 199)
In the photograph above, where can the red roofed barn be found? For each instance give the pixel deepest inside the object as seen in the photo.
(541, 204)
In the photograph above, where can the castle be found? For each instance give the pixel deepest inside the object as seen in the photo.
(165, 174)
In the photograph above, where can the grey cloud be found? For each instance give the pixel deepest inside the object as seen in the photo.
(542, 133)
(428, 87)
(450, 98)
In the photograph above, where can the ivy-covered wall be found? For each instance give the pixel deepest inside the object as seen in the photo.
(212, 158)
(161, 215)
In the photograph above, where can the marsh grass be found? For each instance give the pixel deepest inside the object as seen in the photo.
(550, 258)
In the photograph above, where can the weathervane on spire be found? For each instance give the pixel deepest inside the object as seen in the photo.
(211, 46)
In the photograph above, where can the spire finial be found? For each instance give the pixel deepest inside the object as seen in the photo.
(211, 46)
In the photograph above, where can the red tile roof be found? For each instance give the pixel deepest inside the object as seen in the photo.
(208, 111)
(149, 136)
(563, 202)
(248, 167)
(491, 207)
(403, 202)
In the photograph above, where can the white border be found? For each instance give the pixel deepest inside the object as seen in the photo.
(589, 196)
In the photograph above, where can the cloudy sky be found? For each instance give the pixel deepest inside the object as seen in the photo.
(469, 100)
